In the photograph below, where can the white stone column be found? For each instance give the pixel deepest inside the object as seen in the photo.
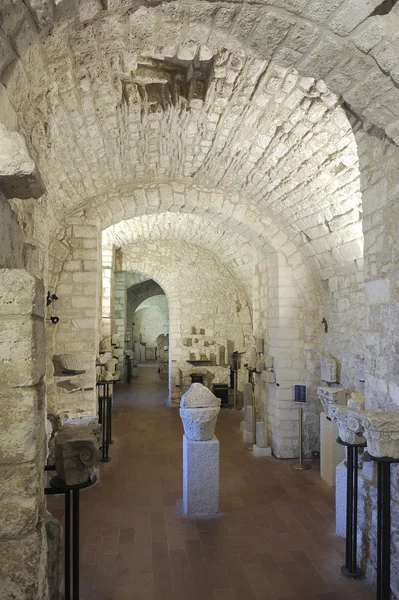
(23, 544)
(76, 339)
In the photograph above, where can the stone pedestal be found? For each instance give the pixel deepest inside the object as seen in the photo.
(340, 498)
(258, 451)
(200, 477)
(331, 453)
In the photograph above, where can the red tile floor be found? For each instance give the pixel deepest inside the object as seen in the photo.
(273, 538)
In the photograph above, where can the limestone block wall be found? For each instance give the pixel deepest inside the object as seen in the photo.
(107, 294)
(288, 313)
(201, 293)
(22, 444)
(379, 161)
(76, 280)
(344, 310)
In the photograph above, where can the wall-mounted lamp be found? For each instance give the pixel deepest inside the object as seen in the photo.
(50, 298)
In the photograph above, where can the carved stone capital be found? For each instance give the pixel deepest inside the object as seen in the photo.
(381, 430)
(328, 396)
(199, 409)
(342, 416)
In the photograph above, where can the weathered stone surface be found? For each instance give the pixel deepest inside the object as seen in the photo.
(22, 570)
(198, 396)
(381, 431)
(20, 423)
(77, 451)
(328, 368)
(19, 177)
(200, 477)
(343, 417)
(332, 396)
(199, 423)
(54, 557)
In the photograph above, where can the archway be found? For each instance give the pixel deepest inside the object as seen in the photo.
(51, 62)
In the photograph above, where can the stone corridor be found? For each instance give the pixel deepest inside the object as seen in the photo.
(274, 538)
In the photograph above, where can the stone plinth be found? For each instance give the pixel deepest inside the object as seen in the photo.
(331, 453)
(200, 477)
(340, 498)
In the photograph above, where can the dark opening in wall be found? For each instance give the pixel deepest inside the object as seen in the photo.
(169, 82)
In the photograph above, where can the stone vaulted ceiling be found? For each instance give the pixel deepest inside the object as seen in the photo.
(114, 95)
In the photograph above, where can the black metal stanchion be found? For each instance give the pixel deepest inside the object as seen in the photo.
(350, 568)
(75, 543)
(111, 407)
(384, 526)
(57, 486)
(67, 542)
(104, 418)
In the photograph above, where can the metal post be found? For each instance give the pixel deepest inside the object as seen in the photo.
(235, 389)
(355, 570)
(251, 446)
(300, 466)
(379, 529)
(67, 545)
(349, 509)
(350, 569)
(75, 543)
(111, 404)
(384, 531)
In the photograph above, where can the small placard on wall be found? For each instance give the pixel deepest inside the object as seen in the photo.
(300, 394)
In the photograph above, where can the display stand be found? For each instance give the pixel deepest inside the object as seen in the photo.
(300, 466)
(350, 569)
(105, 417)
(384, 526)
(58, 486)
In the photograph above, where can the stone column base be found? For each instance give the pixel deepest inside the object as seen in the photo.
(258, 451)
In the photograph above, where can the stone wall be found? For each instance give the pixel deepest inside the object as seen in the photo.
(22, 445)
(76, 280)
(379, 161)
(344, 311)
(201, 293)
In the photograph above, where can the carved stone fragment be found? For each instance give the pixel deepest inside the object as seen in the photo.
(77, 450)
(199, 409)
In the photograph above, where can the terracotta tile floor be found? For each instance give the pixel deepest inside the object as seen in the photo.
(273, 539)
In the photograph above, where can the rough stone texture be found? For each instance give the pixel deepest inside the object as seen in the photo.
(22, 447)
(199, 423)
(332, 396)
(76, 279)
(278, 168)
(19, 177)
(198, 396)
(200, 477)
(77, 451)
(223, 306)
(380, 429)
